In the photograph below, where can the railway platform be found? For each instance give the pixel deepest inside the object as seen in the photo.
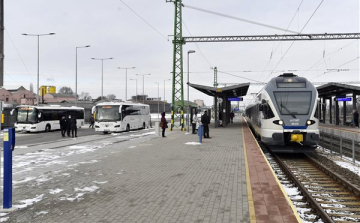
(171, 179)
(341, 131)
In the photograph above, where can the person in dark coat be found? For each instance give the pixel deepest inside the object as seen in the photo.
(92, 121)
(231, 116)
(68, 125)
(73, 127)
(356, 119)
(63, 126)
(205, 120)
(163, 124)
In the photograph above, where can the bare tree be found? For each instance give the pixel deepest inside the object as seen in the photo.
(85, 96)
(66, 90)
(111, 96)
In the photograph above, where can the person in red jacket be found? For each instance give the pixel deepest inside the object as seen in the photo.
(163, 124)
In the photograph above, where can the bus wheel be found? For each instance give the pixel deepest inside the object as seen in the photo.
(144, 125)
(47, 128)
(105, 132)
(128, 128)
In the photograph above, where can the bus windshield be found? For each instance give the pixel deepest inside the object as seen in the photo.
(26, 115)
(107, 113)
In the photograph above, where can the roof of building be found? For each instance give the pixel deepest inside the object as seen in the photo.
(230, 91)
(59, 95)
(334, 89)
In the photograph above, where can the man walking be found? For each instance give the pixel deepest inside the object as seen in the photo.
(68, 125)
(205, 120)
(356, 119)
(63, 126)
(92, 121)
(194, 122)
(163, 124)
(73, 127)
(231, 116)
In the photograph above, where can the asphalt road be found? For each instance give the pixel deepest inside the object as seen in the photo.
(27, 138)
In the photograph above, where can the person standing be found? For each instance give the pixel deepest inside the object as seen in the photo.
(63, 126)
(356, 119)
(205, 120)
(194, 122)
(73, 127)
(68, 125)
(163, 124)
(231, 116)
(92, 122)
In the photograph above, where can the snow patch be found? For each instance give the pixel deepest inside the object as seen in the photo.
(4, 219)
(131, 147)
(41, 213)
(349, 166)
(55, 191)
(27, 179)
(193, 143)
(102, 182)
(28, 202)
(21, 147)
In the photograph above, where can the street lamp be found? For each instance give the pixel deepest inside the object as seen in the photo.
(143, 75)
(102, 72)
(164, 91)
(76, 71)
(188, 65)
(38, 62)
(136, 88)
(158, 97)
(126, 68)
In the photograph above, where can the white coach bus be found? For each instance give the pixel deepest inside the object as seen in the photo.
(45, 118)
(120, 116)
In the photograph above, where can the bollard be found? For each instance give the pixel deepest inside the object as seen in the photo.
(200, 133)
(9, 145)
(157, 128)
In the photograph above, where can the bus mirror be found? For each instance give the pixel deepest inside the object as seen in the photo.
(12, 111)
(263, 101)
(39, 115)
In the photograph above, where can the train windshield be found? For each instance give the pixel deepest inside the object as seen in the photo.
(26, 115)
(293, 103)
(107, 113)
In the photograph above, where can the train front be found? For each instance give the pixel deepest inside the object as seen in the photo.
(295, 102)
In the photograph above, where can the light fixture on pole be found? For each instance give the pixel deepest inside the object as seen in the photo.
(188, 102)
(158, 97)
(102, 72)
(38, 61)
(143, 75)
(76, 71)
(136, 88)
(126, 68)
(164, 91)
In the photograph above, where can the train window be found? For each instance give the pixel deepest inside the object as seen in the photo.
(267, 112)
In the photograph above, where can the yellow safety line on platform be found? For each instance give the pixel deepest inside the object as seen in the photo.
(278, 182)
(248, 185)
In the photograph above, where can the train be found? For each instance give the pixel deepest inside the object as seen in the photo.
(283, 116)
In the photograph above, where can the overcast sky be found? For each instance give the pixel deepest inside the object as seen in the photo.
(113, 30)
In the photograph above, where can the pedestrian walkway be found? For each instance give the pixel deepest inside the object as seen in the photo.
(166, 180)
(340, 131)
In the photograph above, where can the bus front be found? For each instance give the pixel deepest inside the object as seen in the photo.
(107, 118)
(26, 119)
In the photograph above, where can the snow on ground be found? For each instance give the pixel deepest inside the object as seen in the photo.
(41, 213)
(349, 166)
(27, 202)
(193, 143)
(102, 182)
(4, 219)
(55, 191)
(79, 196)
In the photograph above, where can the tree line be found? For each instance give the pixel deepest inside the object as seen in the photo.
(84, 96)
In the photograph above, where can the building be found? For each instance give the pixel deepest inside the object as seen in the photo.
(57, 97)
(18, 96)
(199, 102)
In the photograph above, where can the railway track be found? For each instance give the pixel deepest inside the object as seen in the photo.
(330, 196)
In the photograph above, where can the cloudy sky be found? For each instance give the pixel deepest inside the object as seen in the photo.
(139, 33)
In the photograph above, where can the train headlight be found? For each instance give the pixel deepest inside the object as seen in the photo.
(279, 122)
(310, 122)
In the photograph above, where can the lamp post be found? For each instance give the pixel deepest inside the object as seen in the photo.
(102, 72)
(136, 88)
(143, 75)
(158, 97)
(188, 107)
(38, 60)
(126, 68)
(164, 91)
(76, 71)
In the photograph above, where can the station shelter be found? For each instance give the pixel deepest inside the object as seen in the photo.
(222, 104)
(336, 93)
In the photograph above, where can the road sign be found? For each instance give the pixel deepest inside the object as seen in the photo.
(342, 99)
(236, 109)
(235, 99)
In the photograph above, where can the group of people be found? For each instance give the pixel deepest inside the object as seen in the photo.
(68, 124)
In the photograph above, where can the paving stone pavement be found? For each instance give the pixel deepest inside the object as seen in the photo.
(154, 180)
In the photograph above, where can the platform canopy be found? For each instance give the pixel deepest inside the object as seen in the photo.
(230, 91)
(336, 89)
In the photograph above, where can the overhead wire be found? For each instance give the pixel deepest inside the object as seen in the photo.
(239, 76)
(336, 67)
(237, 18)
(145, 21)
(13, 44)
(307, 22)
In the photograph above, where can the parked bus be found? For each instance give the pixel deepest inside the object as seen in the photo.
(45, 118)
(120, 116)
